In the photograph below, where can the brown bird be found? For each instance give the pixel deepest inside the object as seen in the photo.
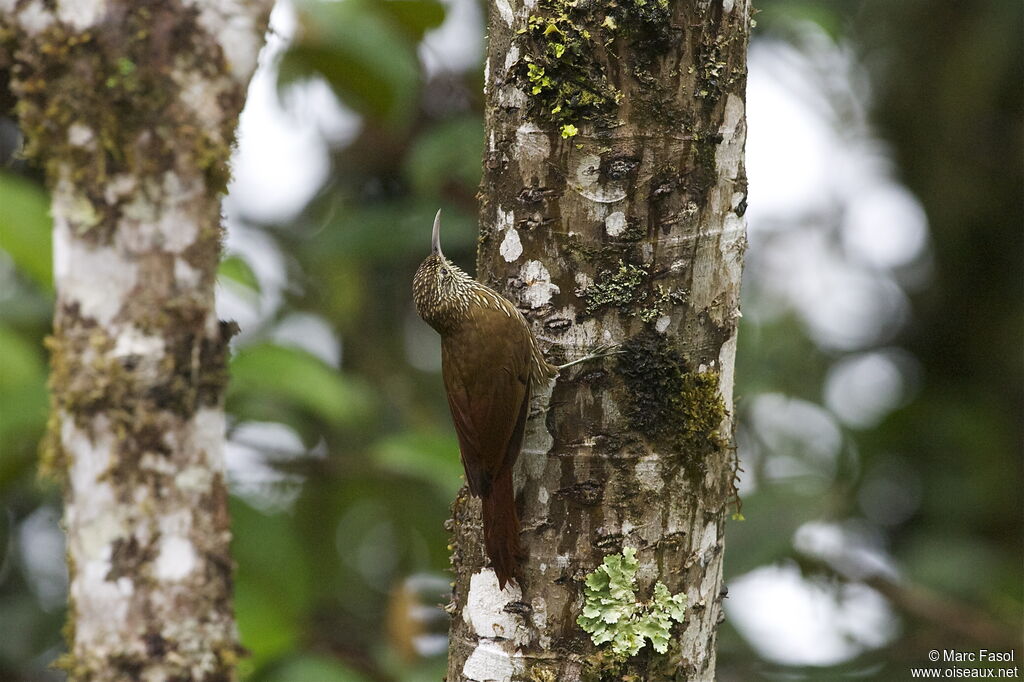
(490, 361)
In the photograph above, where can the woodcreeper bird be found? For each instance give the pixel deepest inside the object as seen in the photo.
(490, 361)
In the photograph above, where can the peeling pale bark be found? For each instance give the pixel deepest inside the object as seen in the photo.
(131, 108)
(613, 197)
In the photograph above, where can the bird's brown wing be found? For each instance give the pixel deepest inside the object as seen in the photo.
(486, 375)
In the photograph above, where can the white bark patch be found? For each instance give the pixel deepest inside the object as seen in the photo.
(79, 134)
(81, 14)
(511, 248)
(648, 473)
(485, 608)
(99, 280)
(727, 5)
(708, 540)
(157, 462)
(201, 96)
(539, 619)
(168, 224)
(588, 183)
(581, 336)
(209, 424)
(539, 288)
(543, 495)
(733, 130)
(101, 605)
(512, 97)
(505, 10)
(727, 361)
(615, 224)
(194, 480)
(186, 276)
(118, 187)
(505, 219)
(133, 341)
(500, 633)
(176, 560)
(233, 25)
(176, 523)
(102, 521)
(532, 143)
(34, 18)
(537, 442)
(662, 324)
(511, 57)
(146, 350)
(490, 663)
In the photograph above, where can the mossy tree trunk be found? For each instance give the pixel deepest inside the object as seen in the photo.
(613, 200)
(131, 108)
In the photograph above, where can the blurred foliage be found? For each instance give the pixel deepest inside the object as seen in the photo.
(339, 532)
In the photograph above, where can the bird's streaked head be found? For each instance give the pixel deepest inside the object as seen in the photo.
(440, 289)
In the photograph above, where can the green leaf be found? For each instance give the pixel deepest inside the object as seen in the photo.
(447, 154)
(311, 668)
(432, 457)
(25, 227)
(414, 17)
(272, 590)
(268, 379)
(386, 232)
(366, 51)
(23, 403)
(237, 270)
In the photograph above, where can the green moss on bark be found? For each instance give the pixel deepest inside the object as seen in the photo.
(107, 101)
(670, 403)
(564, 81)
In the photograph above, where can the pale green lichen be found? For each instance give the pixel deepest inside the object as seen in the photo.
(612, 614)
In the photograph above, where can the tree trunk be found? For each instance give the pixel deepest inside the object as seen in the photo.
(613, 197)
(131, 109)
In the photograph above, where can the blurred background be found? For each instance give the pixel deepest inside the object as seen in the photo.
(880, 384)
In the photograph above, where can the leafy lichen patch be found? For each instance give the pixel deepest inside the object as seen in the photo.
(612, 614)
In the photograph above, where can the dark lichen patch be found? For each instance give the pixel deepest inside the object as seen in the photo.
(647, 24)
(604, 667)
(634, 231)
(670, 403)
(714, 73)
(127, 557)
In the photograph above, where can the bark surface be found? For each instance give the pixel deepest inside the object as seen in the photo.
(131, 108)
(613, 200)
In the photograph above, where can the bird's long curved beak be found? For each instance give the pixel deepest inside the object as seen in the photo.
(435, 242)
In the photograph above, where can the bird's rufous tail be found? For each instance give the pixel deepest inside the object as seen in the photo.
(501, 529)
